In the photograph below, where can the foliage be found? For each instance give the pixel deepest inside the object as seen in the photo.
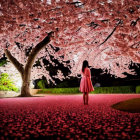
(60, 90)
(6, 84)
(2, 62)
(119, 89)
(41, 84)
(63, 84)
(68, 83)
(96, 28)
(137, 89)
(13, 73)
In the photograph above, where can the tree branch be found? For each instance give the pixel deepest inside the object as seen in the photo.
(106, 39)
(110, 34)
(36, 50)
(135, 45)
(14, 61)
(133, 23)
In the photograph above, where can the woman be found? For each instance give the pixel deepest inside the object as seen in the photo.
(86, 84)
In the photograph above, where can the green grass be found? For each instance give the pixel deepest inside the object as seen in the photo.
(41, 84)
(6, 84)
(59, 91)
(119, 89)
(115, 89)
(137, 89)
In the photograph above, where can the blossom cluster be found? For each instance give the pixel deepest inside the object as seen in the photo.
(106, 32)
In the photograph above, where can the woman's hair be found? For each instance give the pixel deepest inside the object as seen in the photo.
(85, 64)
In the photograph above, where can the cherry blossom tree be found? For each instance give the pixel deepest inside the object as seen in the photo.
(105, 32)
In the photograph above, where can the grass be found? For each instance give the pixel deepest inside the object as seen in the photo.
(115, 89)
(132, 105)
(59, 91)
(137, 89)
(118, 89)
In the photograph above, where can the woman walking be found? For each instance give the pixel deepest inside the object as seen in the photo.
(86, 84)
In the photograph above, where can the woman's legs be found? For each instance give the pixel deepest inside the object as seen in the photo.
(84, 98)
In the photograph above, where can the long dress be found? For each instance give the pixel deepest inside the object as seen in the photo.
(85, 83)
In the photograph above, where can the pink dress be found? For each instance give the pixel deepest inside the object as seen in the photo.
(86, 84)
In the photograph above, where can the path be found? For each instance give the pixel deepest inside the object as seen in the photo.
(65, 116)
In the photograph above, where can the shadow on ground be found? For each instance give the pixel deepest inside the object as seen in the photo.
(132, 105)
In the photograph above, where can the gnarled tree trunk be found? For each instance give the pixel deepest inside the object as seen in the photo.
(26, 71)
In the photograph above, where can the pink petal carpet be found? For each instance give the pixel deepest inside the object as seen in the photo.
(65, 117)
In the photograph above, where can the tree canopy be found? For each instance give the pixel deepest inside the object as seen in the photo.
(105, 32)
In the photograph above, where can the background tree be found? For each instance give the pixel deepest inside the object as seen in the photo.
(106, 33)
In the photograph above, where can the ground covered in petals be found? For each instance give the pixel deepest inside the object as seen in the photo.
(65, 117)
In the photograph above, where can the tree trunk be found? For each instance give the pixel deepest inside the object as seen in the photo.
(25, 89)
(26, 71)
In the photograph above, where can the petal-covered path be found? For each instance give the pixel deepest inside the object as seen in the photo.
(65, 117)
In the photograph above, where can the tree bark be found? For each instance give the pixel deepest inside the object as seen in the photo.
(26, 72)
(25, 89)
(15, 62)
